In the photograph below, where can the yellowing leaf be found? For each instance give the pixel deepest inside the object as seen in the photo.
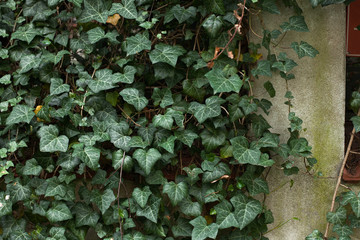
(209, 219)
(256, 56)
(37, 109)
(114, 19)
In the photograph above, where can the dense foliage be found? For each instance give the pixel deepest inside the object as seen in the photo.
(137, 118)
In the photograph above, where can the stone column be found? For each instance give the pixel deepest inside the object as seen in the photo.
(319, 91)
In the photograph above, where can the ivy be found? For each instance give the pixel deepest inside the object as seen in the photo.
(137, 119)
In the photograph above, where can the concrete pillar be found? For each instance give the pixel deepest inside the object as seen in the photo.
(319, 91)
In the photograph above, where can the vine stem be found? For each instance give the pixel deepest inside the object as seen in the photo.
(339, 176)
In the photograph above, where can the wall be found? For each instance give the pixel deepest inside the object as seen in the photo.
(319, 91)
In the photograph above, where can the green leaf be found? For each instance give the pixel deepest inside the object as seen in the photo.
(268, 140)
(263, 68)
(104, 81)
(141, 196)
(6, 79)
(355, 205)
(216, 6)
(270, 6)
(191, 89)
(137, 43)
(151, 209)
(50, 141)
(54, 188)
(212, 25)
(304, 49)
(96, 34)
(104, 200)
(168, 144)
(337, 217)
(19, 192)
(220, 170)
(182, 228)
(166, 53)
(119, 137)
(342, 230)
(132, 96)
(176, 192)
(202, 230)
(90, 156)
(20, 113)
(211, 108)
(270, 88)
(246, 209)
(32, 167)
(190, 208)
(147, 159)
(255, 186)
(95, 10)
(26, 33)
(164, 121)
(127, 76)
(212, 139)
(180, 13)
(242, 153)
(296, 23)
(162, 97)
(84, 215)
(58, 87)
(186, 136)
(60, 212)
(222, 83)
(126, 9)
(29, 62)
(137, 141)
(224, 215)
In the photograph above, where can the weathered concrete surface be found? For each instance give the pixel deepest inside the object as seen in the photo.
(319, 91)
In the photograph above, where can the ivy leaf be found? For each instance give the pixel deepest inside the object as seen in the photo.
(296, 23)
(263, 68)
(166, 53)
(151, 209)
(137, 141)
(20, 113)
(190, 208)
(168, 144)
(54, 188)
(137, 43)
(216, 6)
(182, 228)
(242, 153)
(126, 9)
(84, 215)
(246, 209)
(269, 140)
(186, 136)
(337, 217)
(119, 138)
(29, 62)
(342, 231)
(103, 201)
(270, 88)
(176, 192)
(220, 170)
(213, 25)
(19, 192)
(315, 235)
(304, 49)
(211, 108)
(162, 96)
(96, 34)
(26, 33)
(58, 87)
(60, 212)
(191, 89)
(164, 121)
(224, 216)
(90, 156)
(104, 81)
(32, 167)
(6, 79)
(147, 159)
(127, 76)
(132, 96)
(221, 83)
(212, 139)
(180, 13)
(141, 196)
(355, 205)
(95, 10)
(202, 230)
(50, 141)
